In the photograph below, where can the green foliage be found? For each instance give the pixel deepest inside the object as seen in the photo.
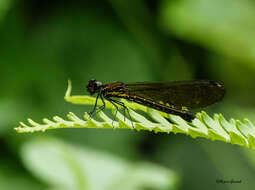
(43, 43)
(4, 7)
(216, 128)
(228, 30)
(63, 166)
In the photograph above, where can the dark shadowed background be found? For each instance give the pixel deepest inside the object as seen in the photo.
(45, 43)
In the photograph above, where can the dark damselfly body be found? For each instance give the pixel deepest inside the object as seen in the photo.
(168, 97)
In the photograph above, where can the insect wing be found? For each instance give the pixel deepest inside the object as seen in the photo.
(189, 94)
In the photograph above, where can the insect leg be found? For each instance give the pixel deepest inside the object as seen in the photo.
(103, 106)
(95, 106)
(124, 108)
(117, 109)
(121, 104)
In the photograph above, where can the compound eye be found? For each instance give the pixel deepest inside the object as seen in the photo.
(91, 87)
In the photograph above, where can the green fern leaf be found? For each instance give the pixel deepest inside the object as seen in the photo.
(217, 128)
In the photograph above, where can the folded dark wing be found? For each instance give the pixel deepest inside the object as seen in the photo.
(189, 94)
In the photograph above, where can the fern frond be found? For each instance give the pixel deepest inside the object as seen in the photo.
(217, 128)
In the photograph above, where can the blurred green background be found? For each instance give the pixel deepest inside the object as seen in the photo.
(45, 43)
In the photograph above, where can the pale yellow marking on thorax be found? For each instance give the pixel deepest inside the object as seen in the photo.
(116, 94)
